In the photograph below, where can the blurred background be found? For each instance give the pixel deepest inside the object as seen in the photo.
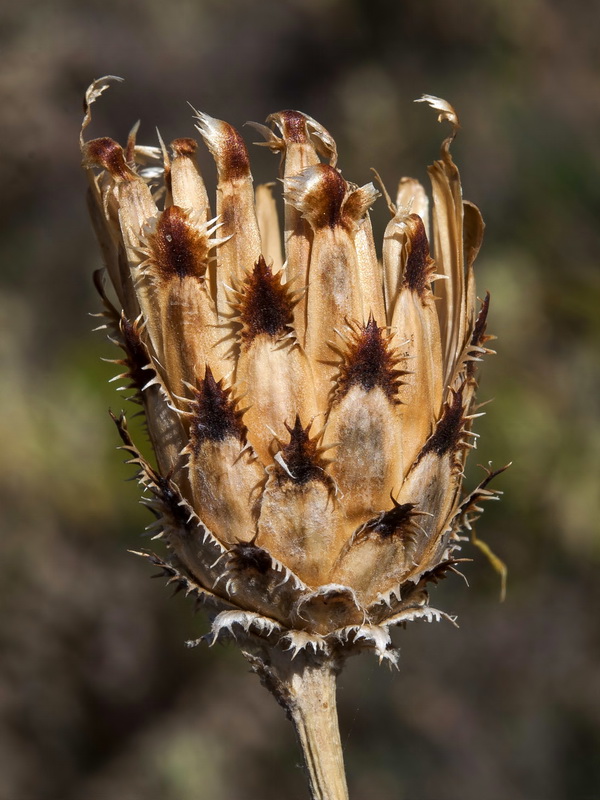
(99, 698)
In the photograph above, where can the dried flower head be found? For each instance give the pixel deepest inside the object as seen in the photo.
(310, 412)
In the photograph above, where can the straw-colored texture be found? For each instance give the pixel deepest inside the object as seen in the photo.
(310, 409)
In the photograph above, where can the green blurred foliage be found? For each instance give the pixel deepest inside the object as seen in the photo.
(98, 696)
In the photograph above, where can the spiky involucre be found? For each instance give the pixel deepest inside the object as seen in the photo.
(310, 413)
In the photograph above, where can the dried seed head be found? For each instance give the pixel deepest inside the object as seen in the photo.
(316, 540)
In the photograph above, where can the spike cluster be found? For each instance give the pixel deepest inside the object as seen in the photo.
(310, 411)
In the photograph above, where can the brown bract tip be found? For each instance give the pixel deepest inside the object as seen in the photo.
(293, 126)
(109, 155)
(214, 413)
(318, 193)
(446, 437)
(397, 522)
(479, 336)
(236, 163)
(419, 264)
(358, 203)
(301, 456)
(184, 147)
(178, 248)
(168, 492)
(266, 304)
(248, 557)
(227, 147)
(137, 358)
(299, 128)
(370, 361)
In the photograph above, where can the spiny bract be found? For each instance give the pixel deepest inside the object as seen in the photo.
(310, 412)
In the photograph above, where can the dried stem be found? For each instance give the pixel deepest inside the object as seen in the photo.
(305, 687)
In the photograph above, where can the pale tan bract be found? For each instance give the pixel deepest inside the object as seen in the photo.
(311, 409)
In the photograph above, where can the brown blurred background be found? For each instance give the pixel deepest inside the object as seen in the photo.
(99, 698)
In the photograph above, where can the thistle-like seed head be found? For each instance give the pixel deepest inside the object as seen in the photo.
(310, 414)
